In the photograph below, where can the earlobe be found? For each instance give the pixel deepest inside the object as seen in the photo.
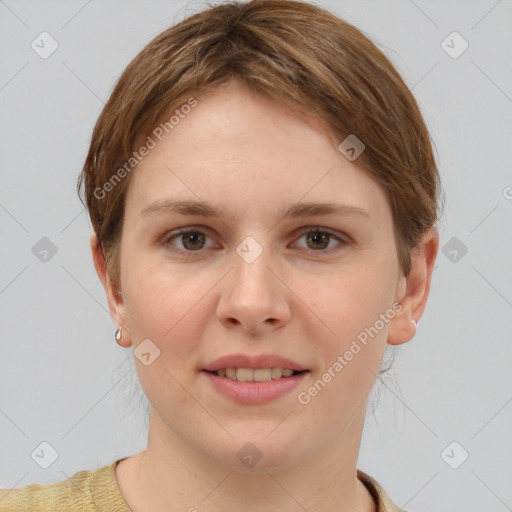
(413, 290)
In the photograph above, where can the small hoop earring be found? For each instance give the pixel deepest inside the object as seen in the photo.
(119, 334)
(415, 323)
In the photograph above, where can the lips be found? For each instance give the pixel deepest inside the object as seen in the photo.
(261, 361)
(253, 393)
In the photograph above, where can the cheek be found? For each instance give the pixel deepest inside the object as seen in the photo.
(163, 306)
(165, 309)
(352, 344)
(355, 300)
(356, 309)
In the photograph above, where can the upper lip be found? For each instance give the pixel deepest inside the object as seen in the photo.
(254, 362)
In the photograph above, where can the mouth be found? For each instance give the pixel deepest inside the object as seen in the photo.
(249, 386)
(255, 375)
(254, 379)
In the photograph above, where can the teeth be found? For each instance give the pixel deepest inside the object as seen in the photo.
(259, 375)
(245, 375)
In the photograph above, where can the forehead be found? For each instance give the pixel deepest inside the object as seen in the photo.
(242, 151)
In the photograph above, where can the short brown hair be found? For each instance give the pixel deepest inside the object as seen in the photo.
(294, 53)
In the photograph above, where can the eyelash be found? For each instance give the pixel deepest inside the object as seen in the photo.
(310, 229)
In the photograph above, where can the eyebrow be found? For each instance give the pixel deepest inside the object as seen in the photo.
(206, 209)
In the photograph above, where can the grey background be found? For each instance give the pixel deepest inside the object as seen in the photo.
(64, 380)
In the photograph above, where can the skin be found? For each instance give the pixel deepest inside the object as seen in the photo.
(303, 299)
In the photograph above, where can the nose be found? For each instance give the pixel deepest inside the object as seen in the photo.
(254, 297)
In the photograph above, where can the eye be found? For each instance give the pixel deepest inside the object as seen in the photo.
(192, 239)
(319, 238)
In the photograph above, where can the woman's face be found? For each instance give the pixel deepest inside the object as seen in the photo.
(254, 280)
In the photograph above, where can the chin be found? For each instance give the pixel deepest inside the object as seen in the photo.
(258, 453)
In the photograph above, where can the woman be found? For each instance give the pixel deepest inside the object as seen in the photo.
(263, 195)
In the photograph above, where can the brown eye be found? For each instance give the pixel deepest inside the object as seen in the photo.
(191, 240)
(319, 239)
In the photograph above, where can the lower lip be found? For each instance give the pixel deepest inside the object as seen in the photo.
(253, 393)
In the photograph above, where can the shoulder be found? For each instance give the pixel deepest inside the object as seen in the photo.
(85, 491)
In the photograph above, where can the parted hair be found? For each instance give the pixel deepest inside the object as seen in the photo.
(296, 54)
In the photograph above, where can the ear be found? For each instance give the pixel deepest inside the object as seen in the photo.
(114, 297)
(412, 291)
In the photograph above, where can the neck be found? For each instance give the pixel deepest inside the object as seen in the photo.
(172, 475)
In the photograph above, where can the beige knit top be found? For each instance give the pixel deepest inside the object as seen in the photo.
(97, 491)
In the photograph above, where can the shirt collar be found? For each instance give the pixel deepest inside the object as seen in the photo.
(107, 495)
(382, 500)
